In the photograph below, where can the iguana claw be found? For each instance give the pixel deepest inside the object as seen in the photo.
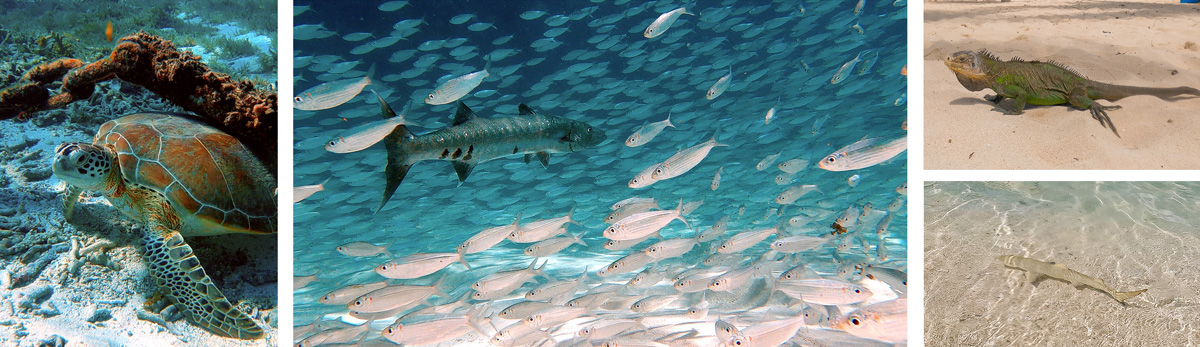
(1099, 114)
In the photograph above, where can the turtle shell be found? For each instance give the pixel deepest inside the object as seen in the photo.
(215, 184)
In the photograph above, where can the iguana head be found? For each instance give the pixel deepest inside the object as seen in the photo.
(968, 66)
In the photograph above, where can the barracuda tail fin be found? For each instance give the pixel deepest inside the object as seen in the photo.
(397, 167)
(1122, 296)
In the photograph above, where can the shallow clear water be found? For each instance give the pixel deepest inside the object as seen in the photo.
(1131, 235)
(602, 71)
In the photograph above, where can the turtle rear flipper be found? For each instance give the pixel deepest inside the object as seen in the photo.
(175, 266)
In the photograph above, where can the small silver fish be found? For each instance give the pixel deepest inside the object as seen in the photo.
(864, 153)
(299, 193)
(330, 94)
(663, 22)
(719, 87)
(362, 249)
(458, 87)
(369, 134)
(647, 132)
(845, 70)
(716, 181)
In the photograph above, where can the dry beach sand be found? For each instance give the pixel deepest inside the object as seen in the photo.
(1132, 236)
(1141, 43)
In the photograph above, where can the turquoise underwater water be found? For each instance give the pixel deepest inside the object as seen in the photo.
(600, 70)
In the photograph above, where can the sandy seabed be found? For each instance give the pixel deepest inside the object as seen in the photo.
(1140, 43)
(1132, 236)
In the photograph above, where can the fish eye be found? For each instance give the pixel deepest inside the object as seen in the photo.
(358, 303)
(589, 129)
(298, 99)
(855, 321)
(857, 291)
(389, 330)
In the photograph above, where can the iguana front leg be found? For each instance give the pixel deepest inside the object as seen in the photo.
(1078, 98)
(1018, 96)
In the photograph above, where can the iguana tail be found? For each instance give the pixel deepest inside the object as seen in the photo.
(1122, 296)
(1113, 92)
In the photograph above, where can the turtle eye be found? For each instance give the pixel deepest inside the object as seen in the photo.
(76, 157)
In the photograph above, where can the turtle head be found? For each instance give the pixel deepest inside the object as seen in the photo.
(83, 165)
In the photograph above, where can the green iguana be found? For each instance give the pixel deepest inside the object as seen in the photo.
(1044, 83)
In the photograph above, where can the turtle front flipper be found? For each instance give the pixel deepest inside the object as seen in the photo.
(70, 197)
(175, 266)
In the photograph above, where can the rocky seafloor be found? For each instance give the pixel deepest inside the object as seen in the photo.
(84, 282)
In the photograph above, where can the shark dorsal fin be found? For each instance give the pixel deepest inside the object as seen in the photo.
(463, 114)
(524, 110)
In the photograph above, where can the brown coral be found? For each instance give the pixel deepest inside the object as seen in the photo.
(237, 107)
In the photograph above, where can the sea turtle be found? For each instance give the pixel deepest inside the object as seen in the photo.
(179, 177)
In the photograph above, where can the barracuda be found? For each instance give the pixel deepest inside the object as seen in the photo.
(472, 140)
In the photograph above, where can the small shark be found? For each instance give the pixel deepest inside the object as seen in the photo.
(470, 140)
(1035, 269)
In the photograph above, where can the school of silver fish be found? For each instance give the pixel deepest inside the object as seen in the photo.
(798, 236)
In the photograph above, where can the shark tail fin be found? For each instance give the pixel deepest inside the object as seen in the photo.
(1122, 296)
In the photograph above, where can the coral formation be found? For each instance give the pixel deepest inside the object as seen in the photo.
(240, 108)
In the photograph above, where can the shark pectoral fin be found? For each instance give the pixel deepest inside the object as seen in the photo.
(544, 157)
(463, 114)
(395, 174)
(463, 169)
(1033, 277)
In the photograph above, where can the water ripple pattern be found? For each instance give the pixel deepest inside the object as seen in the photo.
(1131, 235)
